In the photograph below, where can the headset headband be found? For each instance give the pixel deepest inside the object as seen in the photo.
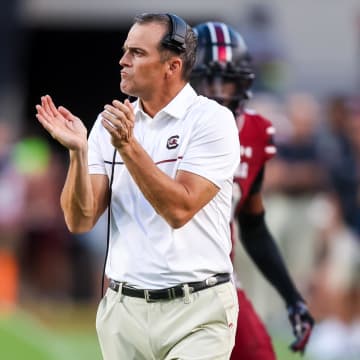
(175, 39)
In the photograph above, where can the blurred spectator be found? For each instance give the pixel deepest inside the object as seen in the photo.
(12, 184)
(266, 47)
(335, 287)
(93, 243)
(10, 46)
(12, 207)
(55, 265)
(296, 168)
(354, 134)
(339, 150)
(294, 177)
(46, 246)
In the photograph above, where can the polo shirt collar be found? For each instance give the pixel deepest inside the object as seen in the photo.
(178, 106)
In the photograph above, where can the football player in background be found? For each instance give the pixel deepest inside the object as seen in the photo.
(223, 72)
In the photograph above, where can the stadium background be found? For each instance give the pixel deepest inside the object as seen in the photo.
(307, 57)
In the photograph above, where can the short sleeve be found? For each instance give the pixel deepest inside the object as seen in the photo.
(213, 151)
(95, 159)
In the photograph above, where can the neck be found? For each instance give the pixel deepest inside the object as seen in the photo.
(158, 101)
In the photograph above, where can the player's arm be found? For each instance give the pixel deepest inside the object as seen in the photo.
(261, 247)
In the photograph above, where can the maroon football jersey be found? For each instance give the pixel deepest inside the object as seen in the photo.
(256, 147)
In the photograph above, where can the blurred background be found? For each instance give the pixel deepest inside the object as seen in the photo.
(307, 60)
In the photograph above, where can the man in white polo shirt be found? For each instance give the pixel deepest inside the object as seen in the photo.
(167, 162)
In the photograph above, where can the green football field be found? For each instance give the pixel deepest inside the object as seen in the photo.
(26, 337)
(63, 334)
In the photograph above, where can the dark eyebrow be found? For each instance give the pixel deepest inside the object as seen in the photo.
(132, 48)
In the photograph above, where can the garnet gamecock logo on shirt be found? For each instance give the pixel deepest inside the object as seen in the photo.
(173, 142)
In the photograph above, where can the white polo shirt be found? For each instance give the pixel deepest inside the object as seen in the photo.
(191, 133)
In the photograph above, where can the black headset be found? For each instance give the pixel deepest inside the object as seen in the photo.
(175, 39)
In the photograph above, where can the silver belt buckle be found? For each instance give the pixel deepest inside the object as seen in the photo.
(211, 281)
(147, 296)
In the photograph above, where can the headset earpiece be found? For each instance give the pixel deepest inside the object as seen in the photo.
(175, 39)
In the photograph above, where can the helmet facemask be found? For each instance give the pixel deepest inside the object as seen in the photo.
(229, 87)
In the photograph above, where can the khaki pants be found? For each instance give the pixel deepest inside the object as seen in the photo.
(198, 326)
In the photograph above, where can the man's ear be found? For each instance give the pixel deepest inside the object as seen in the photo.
(175, 66)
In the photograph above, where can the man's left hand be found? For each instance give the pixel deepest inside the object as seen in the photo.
(118, 119)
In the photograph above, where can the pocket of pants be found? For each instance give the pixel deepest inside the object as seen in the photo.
(227, 296)
(105, 306)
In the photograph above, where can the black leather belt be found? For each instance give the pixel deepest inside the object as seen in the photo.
(169, 293)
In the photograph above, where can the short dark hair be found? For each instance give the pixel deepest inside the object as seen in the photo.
(188, 56)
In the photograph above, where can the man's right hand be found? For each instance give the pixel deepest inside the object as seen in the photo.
(61, 124)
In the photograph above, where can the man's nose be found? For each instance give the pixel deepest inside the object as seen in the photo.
(124, 60)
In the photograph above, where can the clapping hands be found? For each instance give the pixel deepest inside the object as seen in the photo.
(61, 124)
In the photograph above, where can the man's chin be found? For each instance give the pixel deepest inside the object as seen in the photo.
(125, 90)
